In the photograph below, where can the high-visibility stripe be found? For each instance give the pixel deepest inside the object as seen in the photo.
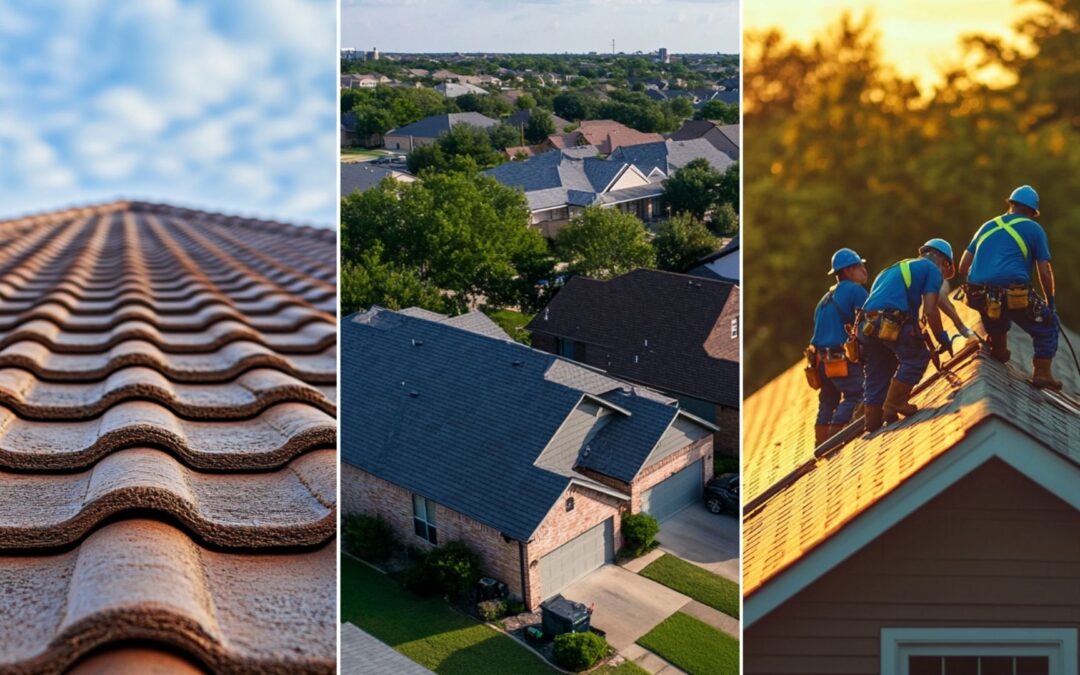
(905, 271)
(1008, 227)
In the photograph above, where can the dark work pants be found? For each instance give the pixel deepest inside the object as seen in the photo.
(839, 396)
(906, 359)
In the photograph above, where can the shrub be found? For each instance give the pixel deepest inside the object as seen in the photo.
(639, 530)
(454, 568)
(489, 610)
(515, 607)
(578, 651)
(417, 579)
(369, 537)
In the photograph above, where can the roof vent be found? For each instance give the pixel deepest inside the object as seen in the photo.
(417, 343)
(646, 342)
(518, 364)
(635, 358)
(546, 314)
(414, 394)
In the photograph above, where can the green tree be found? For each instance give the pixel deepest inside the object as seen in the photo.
(573, 106)
(603, 243)
(463, 141)
(718, 111)
(681, 240)
(525, 102)
(696, 188)
(540, 126)
(457, 231)
(372, 281)
(681, 107)
(503, 136)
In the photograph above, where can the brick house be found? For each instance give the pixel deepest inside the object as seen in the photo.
(945, 543)
(675, 333)
(460, 433)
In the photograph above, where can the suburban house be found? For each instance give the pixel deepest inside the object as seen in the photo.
(672, 332)
(724, 137)
(360, 176)
(458, 433)
(427, 130)
(661, 159)
(950, 536)
(559, 185)
(363, 81)
(455, 89)
(521, 117)
(723, 264)
(606, 135)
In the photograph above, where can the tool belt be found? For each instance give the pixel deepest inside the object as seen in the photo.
(885, 324)
(811, 372)
(835, 361)
(992, 299)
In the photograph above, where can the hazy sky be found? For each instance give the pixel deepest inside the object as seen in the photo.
(229, 106)
(705, 26)
(917, 35)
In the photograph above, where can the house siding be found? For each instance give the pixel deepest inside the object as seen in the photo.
(361, 492)
(994, 550)
(670, 465)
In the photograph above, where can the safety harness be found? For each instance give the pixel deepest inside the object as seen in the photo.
(1000, 225)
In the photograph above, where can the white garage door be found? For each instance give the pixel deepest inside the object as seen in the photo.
(674, 494)
(576, 558)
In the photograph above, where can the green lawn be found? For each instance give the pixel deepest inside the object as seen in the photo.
(700, 584)
(696, 647)
(362, 151)
(427, 630)
(624, 668)
(512, 322)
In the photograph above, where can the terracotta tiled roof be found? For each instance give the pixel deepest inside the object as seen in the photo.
(167, 477)
(796, 501)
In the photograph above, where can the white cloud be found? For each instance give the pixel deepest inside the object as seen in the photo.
(188, 101)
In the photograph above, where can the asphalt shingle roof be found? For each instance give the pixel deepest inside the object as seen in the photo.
(670, 155)
(360, 176)
(437, 125)
(461, 417)
(796, 501)
(658, 328)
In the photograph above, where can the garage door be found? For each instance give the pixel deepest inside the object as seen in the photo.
(673, 495)
(576, 558)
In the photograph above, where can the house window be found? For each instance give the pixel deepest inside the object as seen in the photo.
(978, 651)
(569, 503)
(566, 347)
(734, 328)
(423, 511)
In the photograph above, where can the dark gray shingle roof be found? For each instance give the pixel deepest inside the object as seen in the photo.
(360, 176)
(461, 418)
(436, 125)
(670, 155)
(361, 654)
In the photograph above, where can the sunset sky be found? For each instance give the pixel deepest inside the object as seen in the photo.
(918, 36)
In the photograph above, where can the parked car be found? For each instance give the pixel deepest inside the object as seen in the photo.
(722, 494)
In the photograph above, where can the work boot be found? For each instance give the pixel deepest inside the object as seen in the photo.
(836, 428)
(822, 432)
(999, 347)
(1042, 377)
(896, 402)
(871, 418)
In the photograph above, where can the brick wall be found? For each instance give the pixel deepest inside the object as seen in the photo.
(670, 465)
(363, 493)
(726, 440)
(560, 526)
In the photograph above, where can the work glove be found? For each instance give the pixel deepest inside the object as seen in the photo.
(945, 341)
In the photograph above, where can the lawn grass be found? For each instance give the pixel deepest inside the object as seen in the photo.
(428, 631)
(624, 668)
(694, 646)
(362, 151)
(700, 584)
(513, 323)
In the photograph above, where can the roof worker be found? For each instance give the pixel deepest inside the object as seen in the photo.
(894, 353)
(840, 380)
(997, 264)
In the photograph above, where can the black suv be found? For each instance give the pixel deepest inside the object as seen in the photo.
(722, 494)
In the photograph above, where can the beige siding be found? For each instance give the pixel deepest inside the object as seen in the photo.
(995, 550)
(680, 434)
(629, 179)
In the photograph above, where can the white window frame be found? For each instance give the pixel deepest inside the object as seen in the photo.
(897, 644)
(735, 328)
(428, 519)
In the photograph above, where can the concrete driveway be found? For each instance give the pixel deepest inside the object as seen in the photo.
(702, 538)
(626, 606)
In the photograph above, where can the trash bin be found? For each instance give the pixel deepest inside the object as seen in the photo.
(560, 615)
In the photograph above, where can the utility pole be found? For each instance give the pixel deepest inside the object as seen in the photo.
(613, 46)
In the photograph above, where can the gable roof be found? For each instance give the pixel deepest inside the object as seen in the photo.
(360, 176)
(521, 117)
(658, 328)
(671, 155)
(562, 177)
(455, 89)
(799, 499)
(606, 135)
(437, 125)
(462, 418)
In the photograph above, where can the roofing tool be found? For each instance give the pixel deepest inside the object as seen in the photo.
(935, 357)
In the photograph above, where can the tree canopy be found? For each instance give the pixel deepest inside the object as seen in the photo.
(846, 152)
(698, 189)
(681, 240)
(604, 243)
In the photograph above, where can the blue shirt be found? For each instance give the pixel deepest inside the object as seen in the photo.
(888, 291)
(999, 261)
(836, 308)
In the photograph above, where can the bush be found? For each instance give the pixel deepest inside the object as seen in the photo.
(515, 607)
(578, 651)
(489, 610)
(454, 569)
(369, 537)
(417, 579)
(639, 530)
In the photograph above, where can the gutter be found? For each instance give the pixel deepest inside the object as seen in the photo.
(524, 575)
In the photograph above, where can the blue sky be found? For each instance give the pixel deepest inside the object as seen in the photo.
(704, 26)
(226, 105)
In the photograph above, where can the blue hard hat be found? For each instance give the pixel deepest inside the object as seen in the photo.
(1026, 195)
(939, 245)
(845, 257)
